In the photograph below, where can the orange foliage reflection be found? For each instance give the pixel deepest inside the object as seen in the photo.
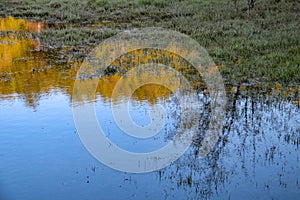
(13, 24)
(29, 74)
(23, 70)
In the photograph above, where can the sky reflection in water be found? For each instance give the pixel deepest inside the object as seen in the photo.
(41, 155)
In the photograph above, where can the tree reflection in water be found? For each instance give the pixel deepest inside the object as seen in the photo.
(258, 151)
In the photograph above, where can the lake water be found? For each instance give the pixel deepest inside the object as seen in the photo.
(42, 156)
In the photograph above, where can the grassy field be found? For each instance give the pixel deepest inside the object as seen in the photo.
(258, 46)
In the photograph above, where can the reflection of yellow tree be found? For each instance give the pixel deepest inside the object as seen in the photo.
(34, 77)
(14, 50)
(25, 72)
(150, 92)
(12, 24)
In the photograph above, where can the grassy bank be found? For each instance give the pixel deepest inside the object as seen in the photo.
(251, 47)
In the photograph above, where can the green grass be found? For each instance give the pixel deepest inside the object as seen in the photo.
(261, 44)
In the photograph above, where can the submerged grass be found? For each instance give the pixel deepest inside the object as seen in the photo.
(249, 46)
